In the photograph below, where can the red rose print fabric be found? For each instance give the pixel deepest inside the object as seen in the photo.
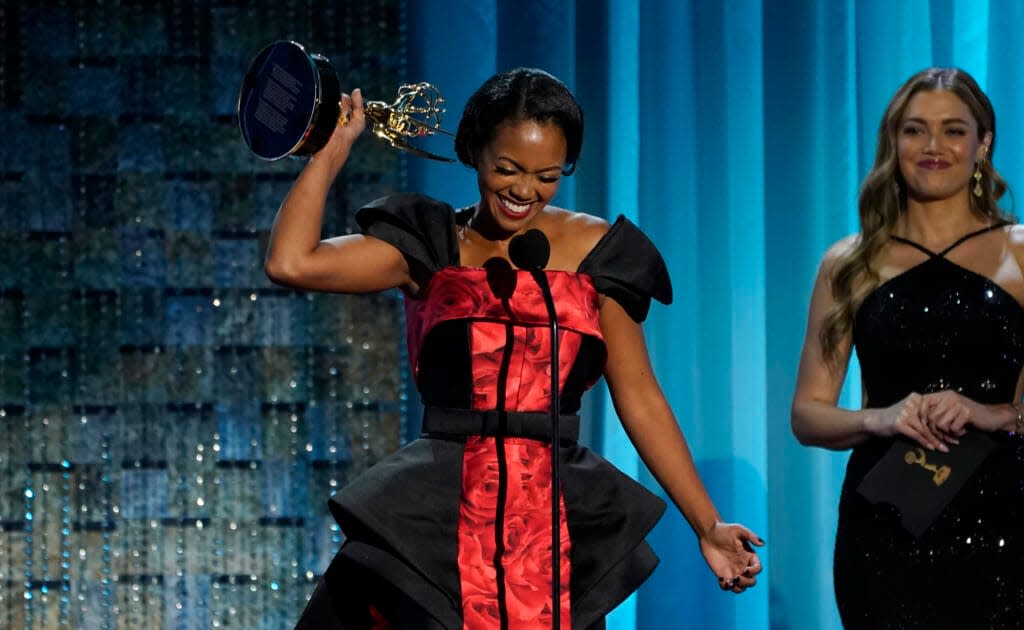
(526, 537)
(528, 380)
(464, 293)
(510, 344)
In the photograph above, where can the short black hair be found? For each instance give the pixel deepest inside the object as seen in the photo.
(519, 94)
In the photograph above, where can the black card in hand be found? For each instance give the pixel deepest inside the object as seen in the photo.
(920, 482)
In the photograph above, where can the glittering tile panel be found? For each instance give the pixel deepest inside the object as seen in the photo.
(171, 423)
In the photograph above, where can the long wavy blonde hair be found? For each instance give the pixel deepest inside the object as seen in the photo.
(883, 197)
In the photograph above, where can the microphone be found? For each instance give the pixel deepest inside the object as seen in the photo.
(531, 251)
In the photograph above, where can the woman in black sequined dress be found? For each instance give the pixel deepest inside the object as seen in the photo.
(929, 294)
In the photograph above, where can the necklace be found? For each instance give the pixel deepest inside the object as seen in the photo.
(468, 225)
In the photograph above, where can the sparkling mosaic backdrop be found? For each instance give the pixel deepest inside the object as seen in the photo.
(171, 424)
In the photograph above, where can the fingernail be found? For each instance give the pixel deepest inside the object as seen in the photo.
(943, 448)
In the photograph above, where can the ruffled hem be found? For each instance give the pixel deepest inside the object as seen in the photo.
(401, 517)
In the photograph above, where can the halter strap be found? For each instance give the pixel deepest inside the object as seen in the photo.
(956, 244)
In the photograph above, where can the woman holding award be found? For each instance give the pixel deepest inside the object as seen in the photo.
(931, 518)
(455, 529)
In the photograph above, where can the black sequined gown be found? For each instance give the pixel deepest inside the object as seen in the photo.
(937, 326)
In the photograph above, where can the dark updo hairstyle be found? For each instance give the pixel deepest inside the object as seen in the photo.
(522, 94)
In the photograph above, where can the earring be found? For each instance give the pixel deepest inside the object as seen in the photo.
(977, 180)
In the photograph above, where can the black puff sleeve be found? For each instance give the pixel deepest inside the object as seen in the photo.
(423, 229)
(626, 266)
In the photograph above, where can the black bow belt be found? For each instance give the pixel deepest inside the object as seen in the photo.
(464, 422)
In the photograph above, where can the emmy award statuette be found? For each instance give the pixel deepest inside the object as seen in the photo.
(290, 100)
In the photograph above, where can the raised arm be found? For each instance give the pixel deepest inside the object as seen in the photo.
(816, 419)
(296, 255)
(651, 426)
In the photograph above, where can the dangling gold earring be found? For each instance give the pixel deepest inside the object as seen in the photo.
(977, 180)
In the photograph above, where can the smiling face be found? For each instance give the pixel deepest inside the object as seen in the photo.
(937, 145)
(518, 173)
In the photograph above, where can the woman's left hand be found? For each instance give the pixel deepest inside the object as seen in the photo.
(728, 550)
(949, 413)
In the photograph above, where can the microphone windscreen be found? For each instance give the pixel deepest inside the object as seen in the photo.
(530, 250)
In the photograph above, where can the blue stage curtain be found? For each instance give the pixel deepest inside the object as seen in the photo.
(736, 135)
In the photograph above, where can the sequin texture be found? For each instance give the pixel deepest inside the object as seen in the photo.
(935, 327)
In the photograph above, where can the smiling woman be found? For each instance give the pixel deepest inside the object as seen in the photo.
(929, 294)
(519, 170)
(938, 146)
(456, 529)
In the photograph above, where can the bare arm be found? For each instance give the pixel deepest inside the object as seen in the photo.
(651, 426)
(648, 419)
(297, 257)
(816, 419)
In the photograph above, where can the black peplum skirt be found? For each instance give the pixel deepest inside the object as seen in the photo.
(400, 520)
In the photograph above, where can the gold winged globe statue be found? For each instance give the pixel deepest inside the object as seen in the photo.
(289, 104)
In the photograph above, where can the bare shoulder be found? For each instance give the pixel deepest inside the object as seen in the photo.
(584, 226)
(573, 220)
(838, 252)
(1015, 241)
(1015, 236)
(573, 234)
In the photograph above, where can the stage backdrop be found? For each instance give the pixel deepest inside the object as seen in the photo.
(170, 423)
(736, 135)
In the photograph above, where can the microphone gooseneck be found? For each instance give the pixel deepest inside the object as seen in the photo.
(531, 251)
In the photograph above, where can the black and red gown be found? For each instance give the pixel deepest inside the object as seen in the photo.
(454, 530)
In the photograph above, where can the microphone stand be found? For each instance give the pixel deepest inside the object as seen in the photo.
(556, 573)
(530, 251)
